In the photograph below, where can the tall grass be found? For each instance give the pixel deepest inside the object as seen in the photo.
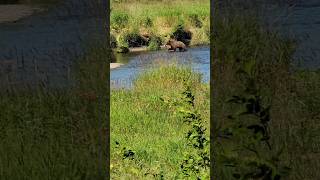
(142, 122)
(57, 133)
(147, 18)
(242, 42)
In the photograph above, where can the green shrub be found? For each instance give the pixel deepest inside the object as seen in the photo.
(119, 20)
(131, 39)
(181, 34)
(123, 49)
(243, 141)
(113, 41)
(194, 20)
(123, 46)
(154, 43)
(146, 22)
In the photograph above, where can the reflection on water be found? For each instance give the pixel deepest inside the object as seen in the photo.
(198, 58)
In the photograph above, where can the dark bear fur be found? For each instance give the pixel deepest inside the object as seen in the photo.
(174, 44)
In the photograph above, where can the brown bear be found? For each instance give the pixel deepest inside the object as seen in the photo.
(174, 44)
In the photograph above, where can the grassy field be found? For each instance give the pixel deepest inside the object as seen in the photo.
(252, 63)
(57, 133)
(158, 20)
(145, 120)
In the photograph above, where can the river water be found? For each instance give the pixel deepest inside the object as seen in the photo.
(300, 20)
(41, 48)
(134, 63)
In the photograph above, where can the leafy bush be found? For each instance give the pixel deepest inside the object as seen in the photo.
(147, 22)
(181, 34)
(113, 41)
(242, 142)
(123, 45)
(131, 39)
(194, 20)
(154, 43)
(119, 20)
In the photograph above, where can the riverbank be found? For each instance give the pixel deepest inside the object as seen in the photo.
(14, 12)
(138, 49)
(162, 47)
(137, 23)
(115, 65)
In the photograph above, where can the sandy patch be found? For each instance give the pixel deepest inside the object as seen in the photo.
(137, 49)
(15, 12)
(141, 49)
(115, 65)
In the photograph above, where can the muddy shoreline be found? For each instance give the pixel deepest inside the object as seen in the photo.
(145, 49)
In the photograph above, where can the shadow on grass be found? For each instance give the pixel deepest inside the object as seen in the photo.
(242, 42)
(58, 133)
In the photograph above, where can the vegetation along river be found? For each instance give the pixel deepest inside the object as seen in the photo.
(299, 20)
(133, 63)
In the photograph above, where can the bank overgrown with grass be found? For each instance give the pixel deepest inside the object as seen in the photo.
(148, 127)
(152, 23)
(266, 112)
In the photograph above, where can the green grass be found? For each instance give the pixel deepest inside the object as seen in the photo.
(147, 18)
(292, 93)
(141, 122)
(57, 134)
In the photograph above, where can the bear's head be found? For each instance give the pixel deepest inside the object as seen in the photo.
(168, 43)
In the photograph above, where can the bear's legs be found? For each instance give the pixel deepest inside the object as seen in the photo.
(182, 49)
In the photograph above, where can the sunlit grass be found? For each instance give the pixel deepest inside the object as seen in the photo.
(141, 122)
(161, 18)
(57, 133)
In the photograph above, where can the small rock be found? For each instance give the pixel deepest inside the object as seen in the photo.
(115, 65)
(122, 49)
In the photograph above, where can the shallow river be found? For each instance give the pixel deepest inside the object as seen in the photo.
(301, 21)
(134, 63)
(42, 47)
